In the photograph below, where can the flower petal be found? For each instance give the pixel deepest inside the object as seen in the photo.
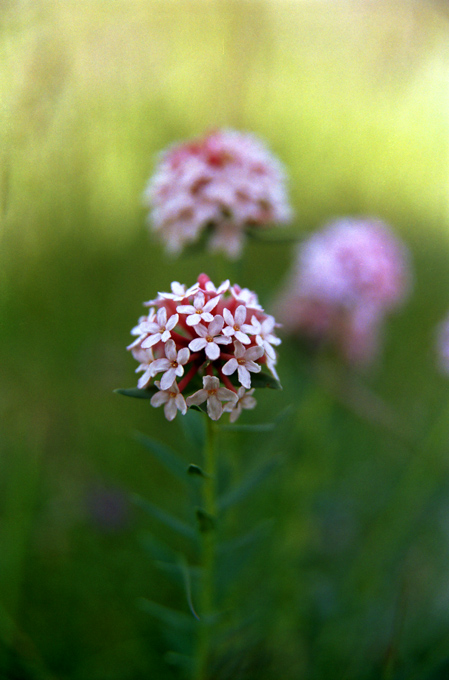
(181, 404)
(240, 315)
(226, 395)
(183, 355)
(151, 340)
(170, 350)
(185, 309)
(254, 353)
(160, 365)
(159, 398)
(170, 409)
(212, 351)
(216, 325)
(214, 407)
(168, 378)
(213, 302)
(197, 398)
(228, 317)
(171, 323)
(230, 366)
(242, 337)
(198, 344)
(244, 376)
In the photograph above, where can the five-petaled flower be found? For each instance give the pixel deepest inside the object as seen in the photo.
(210, 338)
(171, 398)
(158, 329)
(245, 400)
(201, 332)
(214, 394)
(236, 325)
(200, 310)
(244, 363)
(172, 365)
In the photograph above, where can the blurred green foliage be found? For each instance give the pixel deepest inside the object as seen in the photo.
(353, 99)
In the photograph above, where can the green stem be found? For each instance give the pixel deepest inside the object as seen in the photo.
(208, 536)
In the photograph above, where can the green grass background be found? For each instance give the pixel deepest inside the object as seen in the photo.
(354, 99)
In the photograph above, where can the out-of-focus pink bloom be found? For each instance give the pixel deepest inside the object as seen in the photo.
(199, 346)
(227, 181)
(347, 277)
(442, 345)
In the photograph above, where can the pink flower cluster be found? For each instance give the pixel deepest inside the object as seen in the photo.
(227, 181)
(209, 332)
(442, 345)
(347, 277)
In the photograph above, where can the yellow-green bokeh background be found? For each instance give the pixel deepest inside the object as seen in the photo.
(354, 99)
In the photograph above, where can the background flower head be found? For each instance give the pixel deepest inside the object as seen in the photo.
(347, 277)
(226, 181)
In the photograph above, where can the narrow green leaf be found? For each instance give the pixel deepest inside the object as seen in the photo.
(167, 616)
(257, 533)
(262, 379)
(164, 455)
(164, 517)
(136, 393)
(249, 484)
(195, 471)
(205, 522)
(157, 549)
(193, 426)
(234, 555)
(186, 573)
(261, 427)
(180, 660)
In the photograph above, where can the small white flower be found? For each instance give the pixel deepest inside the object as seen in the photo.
(214, 394)
(179, 292)
(200, 310)
(246, 297)
(159, 330)
(210, 338)
(236, 325)
(173, 365)
(137, 330)
(243, 363)
(146, 358)
(222, 288)
(264, 335)
(245, 400)
(171, 398)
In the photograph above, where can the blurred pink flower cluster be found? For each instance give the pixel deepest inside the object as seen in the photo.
(442, 345)
(226, 182)
(207, 332)
(347, 277)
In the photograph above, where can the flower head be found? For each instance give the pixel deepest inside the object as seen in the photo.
(205, 345)
(347, 278)
(227, 181)
(442, 345)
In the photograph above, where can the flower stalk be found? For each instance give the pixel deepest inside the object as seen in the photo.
(208, 553)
